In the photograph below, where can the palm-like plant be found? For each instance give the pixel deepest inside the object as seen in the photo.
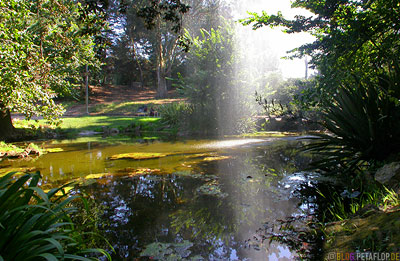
(363, 124)
(37, 225)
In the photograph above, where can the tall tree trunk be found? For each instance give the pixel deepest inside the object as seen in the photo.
(142, 83)
(6, 127)
(161, 70)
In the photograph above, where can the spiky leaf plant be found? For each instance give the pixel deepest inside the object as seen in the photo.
(35, 225)
(363, 125)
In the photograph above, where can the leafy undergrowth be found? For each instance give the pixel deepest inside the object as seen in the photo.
(36, 225)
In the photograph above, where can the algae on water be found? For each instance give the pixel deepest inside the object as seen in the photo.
(139, 156)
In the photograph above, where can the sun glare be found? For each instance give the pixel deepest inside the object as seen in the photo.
(276, 42)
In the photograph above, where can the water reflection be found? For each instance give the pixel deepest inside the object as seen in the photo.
(193, 207)
(245, 191)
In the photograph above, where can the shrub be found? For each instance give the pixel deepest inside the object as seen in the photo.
(363, 125)
(37, 225)
(173, 113)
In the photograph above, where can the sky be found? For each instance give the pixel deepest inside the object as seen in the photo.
(277, 42)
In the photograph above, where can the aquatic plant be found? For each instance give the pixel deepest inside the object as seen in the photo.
(37, 225)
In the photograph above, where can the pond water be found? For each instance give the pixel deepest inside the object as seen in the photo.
(190, 200)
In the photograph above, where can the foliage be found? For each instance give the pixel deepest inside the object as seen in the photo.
(363, 125)
(352, 38)
(209, 83)
(284, 98)
(42, 48)
(35, 224)
(170, 11)
(347, 204)
(174, 113)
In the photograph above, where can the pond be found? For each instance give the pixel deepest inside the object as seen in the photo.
(189, 199)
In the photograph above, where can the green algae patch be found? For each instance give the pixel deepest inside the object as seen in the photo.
(378, 232)
(53, 150)
(216, 158)
(199, 155)
(139, 156)
(97, 176)
(131, 172)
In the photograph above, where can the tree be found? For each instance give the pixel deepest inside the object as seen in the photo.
(42, 48)
(356, 41)
(166, 18)
(209, 83)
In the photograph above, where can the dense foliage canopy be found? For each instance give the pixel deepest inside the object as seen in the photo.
(42, 49)
(355, 41)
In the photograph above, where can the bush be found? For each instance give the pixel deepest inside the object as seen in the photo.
(363, 125)
(173, 113)
(37, 225)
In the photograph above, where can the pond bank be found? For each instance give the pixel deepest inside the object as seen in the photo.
(374, 231)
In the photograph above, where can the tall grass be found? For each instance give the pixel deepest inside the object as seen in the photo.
(37, 225)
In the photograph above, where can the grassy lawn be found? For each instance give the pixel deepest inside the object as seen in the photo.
(75, 125)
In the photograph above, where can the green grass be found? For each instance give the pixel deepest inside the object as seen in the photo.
(75, 125)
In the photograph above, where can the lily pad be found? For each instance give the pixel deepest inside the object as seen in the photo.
(216, 158)
(138, 156)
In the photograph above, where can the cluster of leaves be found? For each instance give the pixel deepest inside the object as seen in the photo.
(174, 113)
(35, 224)
(364, 127)
(209, 83)
(352, 38)
(43, 49)
(356, 51)
(284, 98)
(170, 11)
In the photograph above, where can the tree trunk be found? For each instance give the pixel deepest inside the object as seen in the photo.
(142, 83)
(161, 84)
(6, 127)
(161, 81)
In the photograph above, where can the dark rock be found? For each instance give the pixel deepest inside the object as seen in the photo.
(389, 175)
